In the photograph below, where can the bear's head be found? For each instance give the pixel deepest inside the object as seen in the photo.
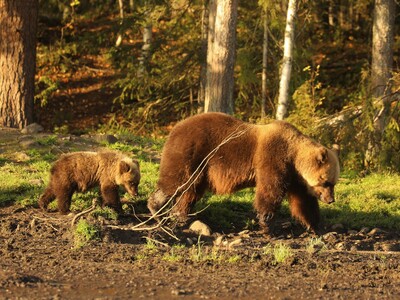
(128, 175)
(320, 169)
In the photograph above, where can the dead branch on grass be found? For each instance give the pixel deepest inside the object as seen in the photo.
(95, 203)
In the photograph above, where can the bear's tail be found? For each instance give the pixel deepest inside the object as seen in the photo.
(46, 198)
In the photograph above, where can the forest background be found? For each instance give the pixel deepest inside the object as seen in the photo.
(136, 66)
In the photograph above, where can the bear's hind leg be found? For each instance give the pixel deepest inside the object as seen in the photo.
(305, 209)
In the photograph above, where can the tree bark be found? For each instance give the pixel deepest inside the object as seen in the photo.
(18, 25)
(221, 57)
(381, 68)
(264, 90)
(203, 57)
(283, 100)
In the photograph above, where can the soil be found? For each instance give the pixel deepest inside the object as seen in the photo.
(40, 260)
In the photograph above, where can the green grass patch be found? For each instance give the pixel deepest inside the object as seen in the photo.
(85, 232)
(373, 201)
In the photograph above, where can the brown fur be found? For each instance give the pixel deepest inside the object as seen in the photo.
(276, 158)
(81, 171)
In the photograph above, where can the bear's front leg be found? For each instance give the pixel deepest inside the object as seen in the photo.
(110, 197)
(304, 207)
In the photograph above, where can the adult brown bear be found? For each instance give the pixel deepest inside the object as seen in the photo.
(81, 171)
(216, 152)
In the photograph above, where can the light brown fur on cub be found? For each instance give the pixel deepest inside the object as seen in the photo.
(81, 171)
(276, 159)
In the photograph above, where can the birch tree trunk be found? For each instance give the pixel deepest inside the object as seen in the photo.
(144, 58)
(264, 90)
(381, 67)
(121, 17)
(283, 100)
(221, 57)
(17, 61)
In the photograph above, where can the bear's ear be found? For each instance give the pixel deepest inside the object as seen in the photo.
(322, 156)
(336, 149)
(124, 167)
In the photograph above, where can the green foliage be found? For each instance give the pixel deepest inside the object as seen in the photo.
(85, 232)
(280, 252)
(373, 201)
(105, 212)
(45, 87)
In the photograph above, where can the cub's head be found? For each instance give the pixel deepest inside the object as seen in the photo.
(320, 169)
(128, 175)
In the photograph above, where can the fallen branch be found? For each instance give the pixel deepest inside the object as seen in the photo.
(95, 203)
(351, 113)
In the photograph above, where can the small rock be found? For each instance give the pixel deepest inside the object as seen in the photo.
(218, 241)
(108, 138)
(364, 230)
(32, 129)
(200, 228)
(330, 237)
(235, 243)
(341, 246)
(376, 231)
(352, 232)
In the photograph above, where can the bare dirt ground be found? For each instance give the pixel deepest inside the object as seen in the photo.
(39, 260)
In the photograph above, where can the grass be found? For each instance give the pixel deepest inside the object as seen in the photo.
(85, 232)
(372, 201)
(280, 252)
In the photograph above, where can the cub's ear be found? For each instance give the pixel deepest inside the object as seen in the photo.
(322, 156)
(124, 167)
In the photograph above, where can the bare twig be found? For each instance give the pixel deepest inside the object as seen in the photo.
(94, 204)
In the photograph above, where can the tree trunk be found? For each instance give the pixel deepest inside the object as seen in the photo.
(121, 17)
(264, 90)
(221, 57)
(144, 58)
(17, 61)
(381, 67)
(283, 100)
(203, 57)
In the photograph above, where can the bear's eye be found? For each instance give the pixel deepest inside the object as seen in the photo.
(327, 184)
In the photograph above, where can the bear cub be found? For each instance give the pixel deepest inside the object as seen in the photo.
(81, 171)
